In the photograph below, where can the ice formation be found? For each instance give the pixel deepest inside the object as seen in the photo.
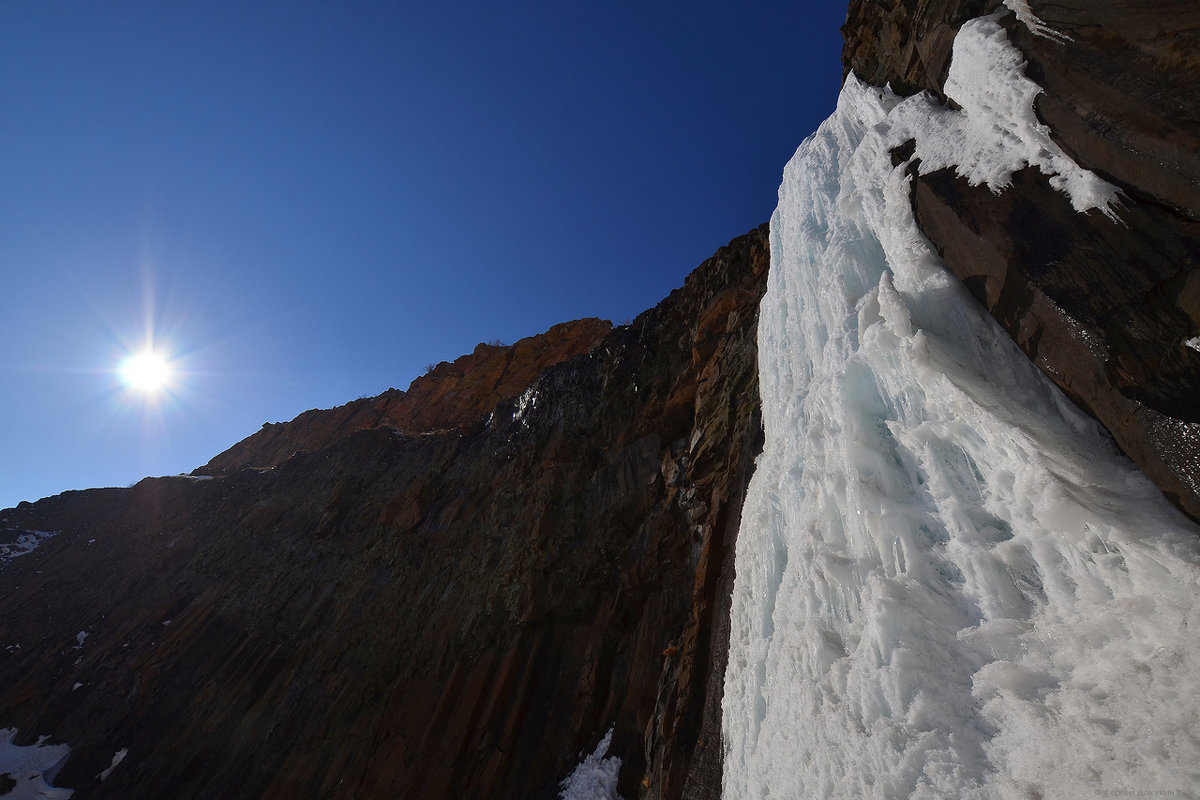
(948, 581)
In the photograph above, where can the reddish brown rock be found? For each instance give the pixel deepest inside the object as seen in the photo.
(450, 395)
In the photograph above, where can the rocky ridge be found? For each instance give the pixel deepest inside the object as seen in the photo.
(461, 610)
(450, 395)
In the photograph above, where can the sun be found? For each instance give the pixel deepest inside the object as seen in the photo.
(147, 372)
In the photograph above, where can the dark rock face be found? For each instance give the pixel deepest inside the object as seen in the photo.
(1120, 92)
(458, 611)
(1105, 309)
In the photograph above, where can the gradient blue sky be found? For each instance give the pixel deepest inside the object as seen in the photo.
(305, 203)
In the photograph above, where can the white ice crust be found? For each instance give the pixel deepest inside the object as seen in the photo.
(948, 581)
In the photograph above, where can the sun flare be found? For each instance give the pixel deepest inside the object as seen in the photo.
(146, 372)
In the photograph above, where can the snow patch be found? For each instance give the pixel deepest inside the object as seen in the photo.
(117, 758)
(595, 778)
(1031, 21)
(525, 404)
(949, 582)
(1193, 343)
(26, 543)
(33, 768)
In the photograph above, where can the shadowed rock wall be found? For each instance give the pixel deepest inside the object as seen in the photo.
(450, 612)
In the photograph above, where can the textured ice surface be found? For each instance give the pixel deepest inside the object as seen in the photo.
(33, 768)
(595, 778)
(949, 583)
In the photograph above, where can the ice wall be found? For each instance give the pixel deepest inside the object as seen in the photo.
(949, 582)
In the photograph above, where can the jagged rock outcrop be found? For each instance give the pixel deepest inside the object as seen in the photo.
(451, 395)
(1110, 310)
(456, 611)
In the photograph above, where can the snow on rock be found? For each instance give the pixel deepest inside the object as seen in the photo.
(997, 131)
(595, 778)
(1031, 21)
(117, 758)
(949, 582)
(25, 543)
(33, 768)
(525, 404)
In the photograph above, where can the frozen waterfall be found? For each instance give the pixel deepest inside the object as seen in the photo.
(949, 582)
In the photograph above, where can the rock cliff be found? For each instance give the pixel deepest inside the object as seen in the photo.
(457, 590)
(449, 592)
(450, 395)
(1108, 308)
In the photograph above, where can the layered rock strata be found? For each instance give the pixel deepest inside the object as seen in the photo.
(1109, 309)
(454, 610)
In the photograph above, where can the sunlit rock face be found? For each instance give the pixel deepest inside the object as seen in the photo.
(451, 395)
(463, 609)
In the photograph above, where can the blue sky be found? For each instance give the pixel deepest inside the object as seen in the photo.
(305, 203)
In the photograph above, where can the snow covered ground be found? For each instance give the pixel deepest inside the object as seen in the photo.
(32, 768)
(949, 582)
